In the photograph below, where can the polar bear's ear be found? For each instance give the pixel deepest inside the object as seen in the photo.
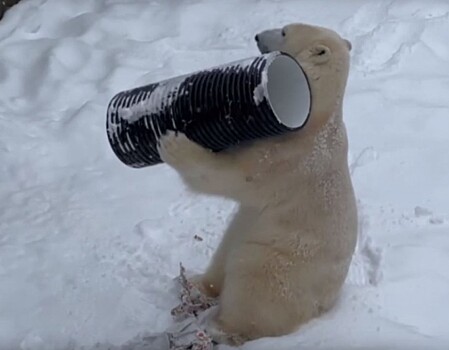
(320, 53)
(348, 44)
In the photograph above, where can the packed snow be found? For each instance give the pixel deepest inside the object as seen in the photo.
(89, 247)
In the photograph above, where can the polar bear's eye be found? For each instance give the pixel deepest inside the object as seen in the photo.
(283, 32)
(320, 53)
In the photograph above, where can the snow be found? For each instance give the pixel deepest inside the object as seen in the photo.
(148, 104)
(261, 89)
(89, 247)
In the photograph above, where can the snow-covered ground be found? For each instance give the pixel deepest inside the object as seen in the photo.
(89, 247)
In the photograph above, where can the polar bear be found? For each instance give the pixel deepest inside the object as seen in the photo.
(285, 255)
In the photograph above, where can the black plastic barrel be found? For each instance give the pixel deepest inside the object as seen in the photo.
(217, 108)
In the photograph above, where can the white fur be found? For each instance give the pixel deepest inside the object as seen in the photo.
(285, 256)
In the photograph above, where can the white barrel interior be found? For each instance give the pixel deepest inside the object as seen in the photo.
(288, 91)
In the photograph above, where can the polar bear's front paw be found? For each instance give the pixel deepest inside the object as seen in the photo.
(177, 150)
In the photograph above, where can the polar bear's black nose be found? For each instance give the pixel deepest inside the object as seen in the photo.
(256, 38)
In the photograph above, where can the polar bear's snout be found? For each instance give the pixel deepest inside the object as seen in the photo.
(269, 40)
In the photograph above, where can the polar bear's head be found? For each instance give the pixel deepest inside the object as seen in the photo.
(323, 55)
